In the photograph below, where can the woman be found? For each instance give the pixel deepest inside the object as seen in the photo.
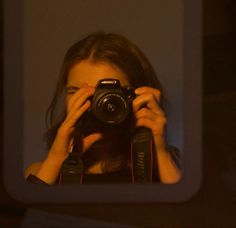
(94, 58)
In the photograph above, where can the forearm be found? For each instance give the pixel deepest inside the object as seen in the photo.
(168, 170)
(49, 169)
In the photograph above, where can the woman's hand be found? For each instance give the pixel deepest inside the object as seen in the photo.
(148, 113)
(77, 105)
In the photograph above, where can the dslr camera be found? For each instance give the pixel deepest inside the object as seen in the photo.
(111, 103)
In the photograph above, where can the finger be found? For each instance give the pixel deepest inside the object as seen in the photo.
(154, 126)
(79, 102)
(73, 117)
(72, 97)
(81, 94)
(149, 101)
(145, 113)
(144, 122)
(90, 140)
(146, 89)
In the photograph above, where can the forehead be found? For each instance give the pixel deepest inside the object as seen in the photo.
(90, 73)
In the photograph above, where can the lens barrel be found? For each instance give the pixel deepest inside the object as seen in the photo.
(111, 103)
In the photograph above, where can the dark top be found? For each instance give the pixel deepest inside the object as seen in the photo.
(116, 177)
(121, 176)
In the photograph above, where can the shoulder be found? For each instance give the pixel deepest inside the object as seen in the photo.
(176, 155)
(32, 169)
(174, 150)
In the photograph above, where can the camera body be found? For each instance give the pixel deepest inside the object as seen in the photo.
(111, 103)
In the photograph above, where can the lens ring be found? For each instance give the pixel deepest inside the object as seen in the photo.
(111, 108)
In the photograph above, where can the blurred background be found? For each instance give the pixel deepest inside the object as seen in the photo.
(215, 203)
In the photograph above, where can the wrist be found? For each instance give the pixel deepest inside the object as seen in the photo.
(64, 132)
(160, 143)
(49, 169)
(54, 159)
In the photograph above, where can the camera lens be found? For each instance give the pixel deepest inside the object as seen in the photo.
(112, 109)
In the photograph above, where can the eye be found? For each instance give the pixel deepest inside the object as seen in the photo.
(71, 90)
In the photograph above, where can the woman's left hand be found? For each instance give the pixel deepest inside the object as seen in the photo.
(148, 113)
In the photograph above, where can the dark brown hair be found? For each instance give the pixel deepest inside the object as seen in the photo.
(110, 48)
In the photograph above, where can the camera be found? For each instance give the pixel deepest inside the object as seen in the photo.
(111, 103)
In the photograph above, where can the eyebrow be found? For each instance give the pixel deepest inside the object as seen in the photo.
(72, 88)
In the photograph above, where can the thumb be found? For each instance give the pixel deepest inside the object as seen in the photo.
(90, 140)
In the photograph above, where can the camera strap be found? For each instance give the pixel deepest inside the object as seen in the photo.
(72, 169)
(142, 156)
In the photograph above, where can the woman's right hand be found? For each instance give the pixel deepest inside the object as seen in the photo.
(77, 104)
